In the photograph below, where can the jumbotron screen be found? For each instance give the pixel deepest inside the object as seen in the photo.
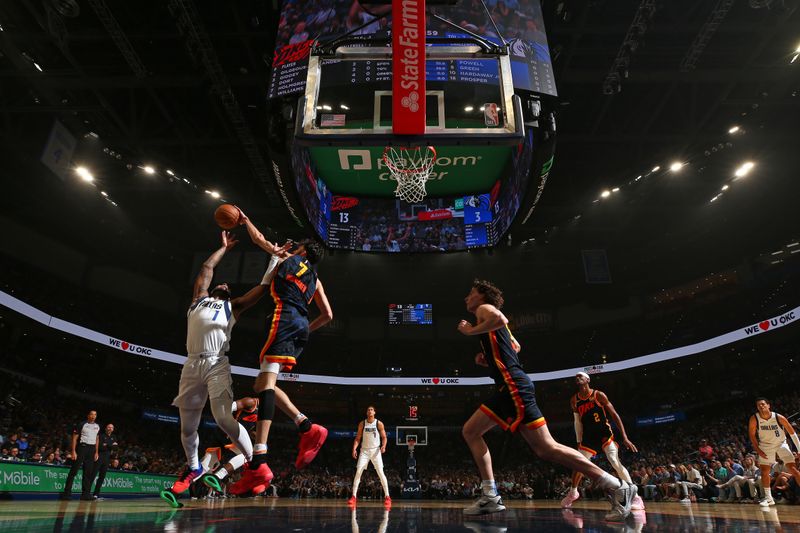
(410, 314)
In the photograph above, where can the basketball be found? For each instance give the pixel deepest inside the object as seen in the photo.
(227, 216)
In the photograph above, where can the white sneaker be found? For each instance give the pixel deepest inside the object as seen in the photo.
(570, 498)
(621, 499)
(485, 505)
(766, 502)
(683, 500)
(637, 504)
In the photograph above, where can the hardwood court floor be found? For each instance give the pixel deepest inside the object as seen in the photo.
(287, 515)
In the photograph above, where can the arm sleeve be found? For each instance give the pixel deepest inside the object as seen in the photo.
(578, 427)
(273, 264)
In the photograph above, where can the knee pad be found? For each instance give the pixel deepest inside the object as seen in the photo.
(266, 404)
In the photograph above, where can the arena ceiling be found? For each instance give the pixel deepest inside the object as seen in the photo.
(180, 85)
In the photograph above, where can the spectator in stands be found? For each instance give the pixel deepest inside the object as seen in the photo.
(23, 446)
(692, 485)
(706, 451)
(711, 492)
(114, 465)
(50, 459)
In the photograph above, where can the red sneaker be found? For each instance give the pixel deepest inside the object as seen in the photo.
(259, 489)
(387, 502)
(310, 443)
(252, 479)
(352, 501)
(186, 478)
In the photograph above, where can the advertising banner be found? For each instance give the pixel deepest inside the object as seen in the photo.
(28, 477)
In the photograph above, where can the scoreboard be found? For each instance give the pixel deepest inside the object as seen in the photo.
(408, 314)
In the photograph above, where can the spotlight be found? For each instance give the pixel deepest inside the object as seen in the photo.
(214, 194)
(605, 194)
(725, 187)
(615, 189)
(744, 169)
(84, 173)
(656, 168)
(734, 129)
(676, 166)
(149, 170)
(468, 108)
(170, 172)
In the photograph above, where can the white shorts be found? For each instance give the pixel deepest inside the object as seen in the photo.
(782, 451)
(374, 455)
(204, 377)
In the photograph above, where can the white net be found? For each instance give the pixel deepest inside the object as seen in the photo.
(410, 167)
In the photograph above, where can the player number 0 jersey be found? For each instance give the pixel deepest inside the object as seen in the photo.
(209, 326)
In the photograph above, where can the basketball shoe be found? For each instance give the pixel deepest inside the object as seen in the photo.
(621, 499)
(352, 501)
(387, 502)
(252, 478)
(766, 502)
(310, 443)
(485, 505)
(637, 504)
(570, 498)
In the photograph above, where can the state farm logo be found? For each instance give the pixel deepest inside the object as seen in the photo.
(411, 102)
(128, 347)
(286, 376)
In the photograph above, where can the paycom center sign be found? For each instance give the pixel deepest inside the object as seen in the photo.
(25, 477)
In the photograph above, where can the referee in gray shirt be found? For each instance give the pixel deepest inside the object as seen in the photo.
(85, 444)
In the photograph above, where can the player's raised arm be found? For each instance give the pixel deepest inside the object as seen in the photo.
(258, 238)
(206, 273)
(250, 298)
(603, 400)
(324, 306)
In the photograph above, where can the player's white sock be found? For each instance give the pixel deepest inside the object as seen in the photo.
(236, 463)
(767, 493)
(489, 487)
(260, 448)
(607, 481)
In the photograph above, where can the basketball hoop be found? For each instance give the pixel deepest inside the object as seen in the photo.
(411, 167)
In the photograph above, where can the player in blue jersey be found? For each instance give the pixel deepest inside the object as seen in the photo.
(513, 407)
(294, 286)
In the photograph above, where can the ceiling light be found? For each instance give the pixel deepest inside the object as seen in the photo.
(779, 252)
(792, 244)
(724, 187)
(776, 262)
(676, 166)
(84, 173)
(656, 168)
(170, 172)
(344, 107)
(104, 193)
(637, 178)
(35, 64)
(744, 169)
(605, 194)
(714, 199)
(468, 108)
(326, 107)
(148, 169)
(733, 129)
(615, 189)
(214, 194)
(795, 251)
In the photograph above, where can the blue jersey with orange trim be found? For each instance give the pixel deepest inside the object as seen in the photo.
(596, 427)
(500, 350)
(294, 284)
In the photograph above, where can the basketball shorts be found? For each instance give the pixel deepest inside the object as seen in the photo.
(513, 405)
(202, 377)
(782, 451)
(286, 341)
(373, 456)
(594, 444)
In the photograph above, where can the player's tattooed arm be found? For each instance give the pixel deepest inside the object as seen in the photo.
(480, 359)
(203, 280)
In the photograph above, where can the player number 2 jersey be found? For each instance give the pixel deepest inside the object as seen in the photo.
(209, 326)
(770, 432)
(370, 439)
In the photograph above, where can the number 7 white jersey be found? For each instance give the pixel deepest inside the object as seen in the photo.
(770, 432)
(209, 326)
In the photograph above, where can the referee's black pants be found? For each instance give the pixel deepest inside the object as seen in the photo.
(86, 460)
(100, 469)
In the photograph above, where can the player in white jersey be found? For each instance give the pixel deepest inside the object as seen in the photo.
(371, 435)
(207, 372)
(768, 436)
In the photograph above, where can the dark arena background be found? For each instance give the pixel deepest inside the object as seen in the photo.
(626, 172)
